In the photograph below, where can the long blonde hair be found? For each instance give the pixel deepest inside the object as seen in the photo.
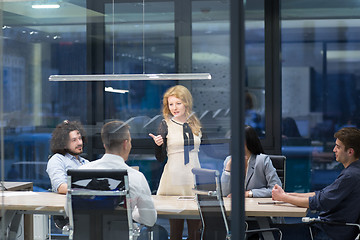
(185, 96)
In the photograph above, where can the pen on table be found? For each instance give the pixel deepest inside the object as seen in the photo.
(271, 202)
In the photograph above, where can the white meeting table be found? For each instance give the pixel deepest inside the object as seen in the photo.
(172, 207)
(48, 203)
(18, 203)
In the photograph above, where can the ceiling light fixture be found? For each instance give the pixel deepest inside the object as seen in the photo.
(112, 90)
(131, 77)
(45, 6)
(342, 55)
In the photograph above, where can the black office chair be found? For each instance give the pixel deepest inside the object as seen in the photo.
(306, 229)
(352, 229)
(98, 205)
(279, 163)
(215, 224)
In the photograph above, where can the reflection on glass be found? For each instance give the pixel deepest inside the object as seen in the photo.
(255, 67)
(319, 88)
(135, 38)
(254, 116)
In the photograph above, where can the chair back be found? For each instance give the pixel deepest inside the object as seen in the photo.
(211, 205)
(279, 163)
(98, 204)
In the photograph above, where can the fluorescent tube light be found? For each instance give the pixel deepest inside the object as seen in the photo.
(343, 55)
(131, 77)
(44, 6)
(110, 89)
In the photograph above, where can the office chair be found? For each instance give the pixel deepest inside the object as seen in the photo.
(210, 203)
(279, 163)
(352, 228)
(305, 229)
(98, 205)
(215, 224)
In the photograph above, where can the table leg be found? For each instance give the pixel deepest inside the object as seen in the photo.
(28, 227)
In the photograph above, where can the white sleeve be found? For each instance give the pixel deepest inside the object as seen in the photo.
(142, 204)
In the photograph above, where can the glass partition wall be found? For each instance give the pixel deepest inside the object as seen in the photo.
(306, 75)
(119, 37)
(107, 37)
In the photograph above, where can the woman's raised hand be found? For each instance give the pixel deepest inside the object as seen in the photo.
(157, 139)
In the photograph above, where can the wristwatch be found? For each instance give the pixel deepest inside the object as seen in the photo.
(250, 193)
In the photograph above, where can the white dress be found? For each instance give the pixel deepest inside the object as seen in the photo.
(177, 178)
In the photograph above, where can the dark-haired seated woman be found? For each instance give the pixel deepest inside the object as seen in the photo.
(260, 177)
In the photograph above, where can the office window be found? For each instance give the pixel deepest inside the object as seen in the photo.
(255, 66)
(320, 44)
(262, 81)
(37, 43)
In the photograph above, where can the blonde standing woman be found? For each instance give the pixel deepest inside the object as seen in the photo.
(179, 138)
